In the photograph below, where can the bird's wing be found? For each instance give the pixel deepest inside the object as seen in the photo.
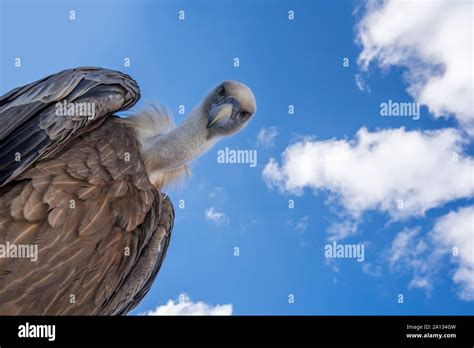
(100, 228)
(144, 271)
(33, 129)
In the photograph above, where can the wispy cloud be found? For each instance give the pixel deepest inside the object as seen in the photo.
(371, 269)
(215, 191)
(409, 251)
(219, 218)
(422, 254)
(361, 83)
(185, 306)
(342, 229)
(453, 235)
(299, 225)
(433, 41)
(266, 137)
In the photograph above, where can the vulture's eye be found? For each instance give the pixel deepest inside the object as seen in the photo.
(221, 91)
(244, 114)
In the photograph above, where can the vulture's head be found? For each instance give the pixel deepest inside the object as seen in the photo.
(168, 149)
(229, 107)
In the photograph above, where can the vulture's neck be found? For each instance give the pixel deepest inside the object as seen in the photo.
(172, 148)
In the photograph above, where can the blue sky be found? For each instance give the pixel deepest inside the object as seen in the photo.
(300, 63)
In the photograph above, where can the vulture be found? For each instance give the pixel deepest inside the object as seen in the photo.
(84, 226)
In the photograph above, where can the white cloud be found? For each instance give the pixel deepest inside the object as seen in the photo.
(185, 306)
(401, 172)
(215, 216)
(361, 83)
(434, 41)
(406, 248)
(421, 283)
(409, 252)
(456, 230)
(342, 229)
(422, 255)
(266, 137)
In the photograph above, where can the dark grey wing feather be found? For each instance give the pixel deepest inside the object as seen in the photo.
(30, 128)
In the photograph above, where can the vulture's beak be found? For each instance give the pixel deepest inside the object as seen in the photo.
(221, 112)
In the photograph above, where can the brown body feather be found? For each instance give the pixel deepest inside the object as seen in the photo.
(92, 230)
(81, 195)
